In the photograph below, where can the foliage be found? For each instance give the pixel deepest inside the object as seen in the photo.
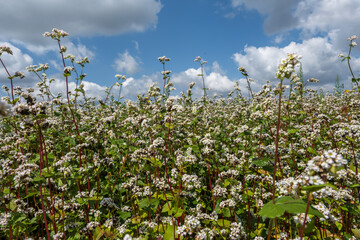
(166, 168)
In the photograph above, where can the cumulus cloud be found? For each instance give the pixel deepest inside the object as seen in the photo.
(337, 19)
(91, 89)
(134, 86)
(320, 60)
(125, 63)
(324, 26)
(216, 81)
(26, 21)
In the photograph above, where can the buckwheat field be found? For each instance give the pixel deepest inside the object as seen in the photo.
(281, 163)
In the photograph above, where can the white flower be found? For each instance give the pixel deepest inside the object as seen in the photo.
(127, 237)
(314, 80)
(163, 59)
(5, 49)
(68, 69)
(166, 72)
(56, 34)
(353, 37)
(191, 85)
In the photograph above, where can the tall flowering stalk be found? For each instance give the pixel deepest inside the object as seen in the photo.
(119, 82)
(166, 77)
(198, 59)
(57, 35)
(17, 74)
(246, 75)
(351, 45)
(285, 70)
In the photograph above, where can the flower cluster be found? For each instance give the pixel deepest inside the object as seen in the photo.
(5, 49)
(56, 34)
(163, 59)
(287, 66)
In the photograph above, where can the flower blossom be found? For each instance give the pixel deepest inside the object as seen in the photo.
(56, 34)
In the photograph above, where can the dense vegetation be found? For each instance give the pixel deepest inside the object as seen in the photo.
(278, 165)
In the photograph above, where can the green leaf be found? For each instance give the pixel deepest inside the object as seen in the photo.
(144, 203)
(223, 223)
(155, 162)
(155, 202)
(271, 210)
(124, 215)
(98, 233)
(309, 227)
(136, 220)
(356, 232)
(169, 232)
(40, 116)
(288, 204)
(39, 180)
(294, 130)
(168, 125)
(261, 162)
(166, 207)
(226, 212)
(17, 217)
(310, 150)
(6, 191)
(179, 212)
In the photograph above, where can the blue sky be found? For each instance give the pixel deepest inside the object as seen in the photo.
(127, 36)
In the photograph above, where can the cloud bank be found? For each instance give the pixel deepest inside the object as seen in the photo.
(26, 21)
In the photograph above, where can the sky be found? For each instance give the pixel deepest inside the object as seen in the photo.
(127, 36)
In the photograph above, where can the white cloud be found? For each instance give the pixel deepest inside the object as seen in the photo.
(278, 39)
(79, 50)
(320, 60)
(91, 89)
(56, 65)
(215, 81)
(217, 68)
(337, 19)
(132, 87)
(137, 48)
(125, 63)
(324, 26)
(26, 21)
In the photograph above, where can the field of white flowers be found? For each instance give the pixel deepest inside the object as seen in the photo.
(278, 165)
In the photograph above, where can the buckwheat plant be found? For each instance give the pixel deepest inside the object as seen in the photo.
(285, 70)
(352, 44)
(5, 49)
(201, 62)
(246, 75)
(166, 77)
